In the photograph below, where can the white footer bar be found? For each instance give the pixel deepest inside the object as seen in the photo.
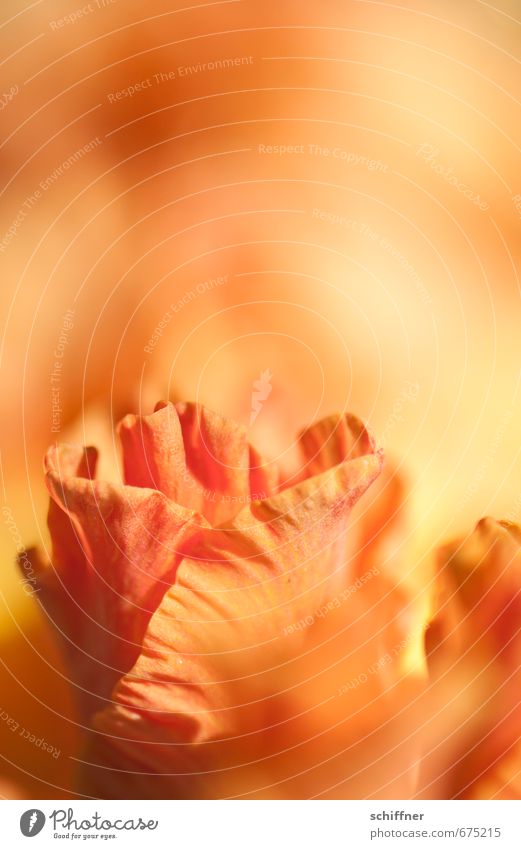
(262, 825)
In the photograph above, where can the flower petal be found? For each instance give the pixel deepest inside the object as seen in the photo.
(474, 654)
(328, 443)
(196, 458)
(225, 619)
(115, 553)
(379, 525)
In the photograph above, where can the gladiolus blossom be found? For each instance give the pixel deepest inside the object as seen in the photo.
(231, 630)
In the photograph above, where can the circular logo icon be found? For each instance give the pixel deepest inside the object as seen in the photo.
(32, 822)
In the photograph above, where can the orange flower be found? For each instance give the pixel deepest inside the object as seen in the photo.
(474, 654)
(224, 636)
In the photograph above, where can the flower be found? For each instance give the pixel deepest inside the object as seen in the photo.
(225, 637)
(474, 654)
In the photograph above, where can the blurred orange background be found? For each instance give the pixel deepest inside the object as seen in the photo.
(193, 195)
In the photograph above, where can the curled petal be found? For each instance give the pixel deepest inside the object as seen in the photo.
(196, 458)
(379, 532)
(328, 443)
(115, 553)
(225, 620)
